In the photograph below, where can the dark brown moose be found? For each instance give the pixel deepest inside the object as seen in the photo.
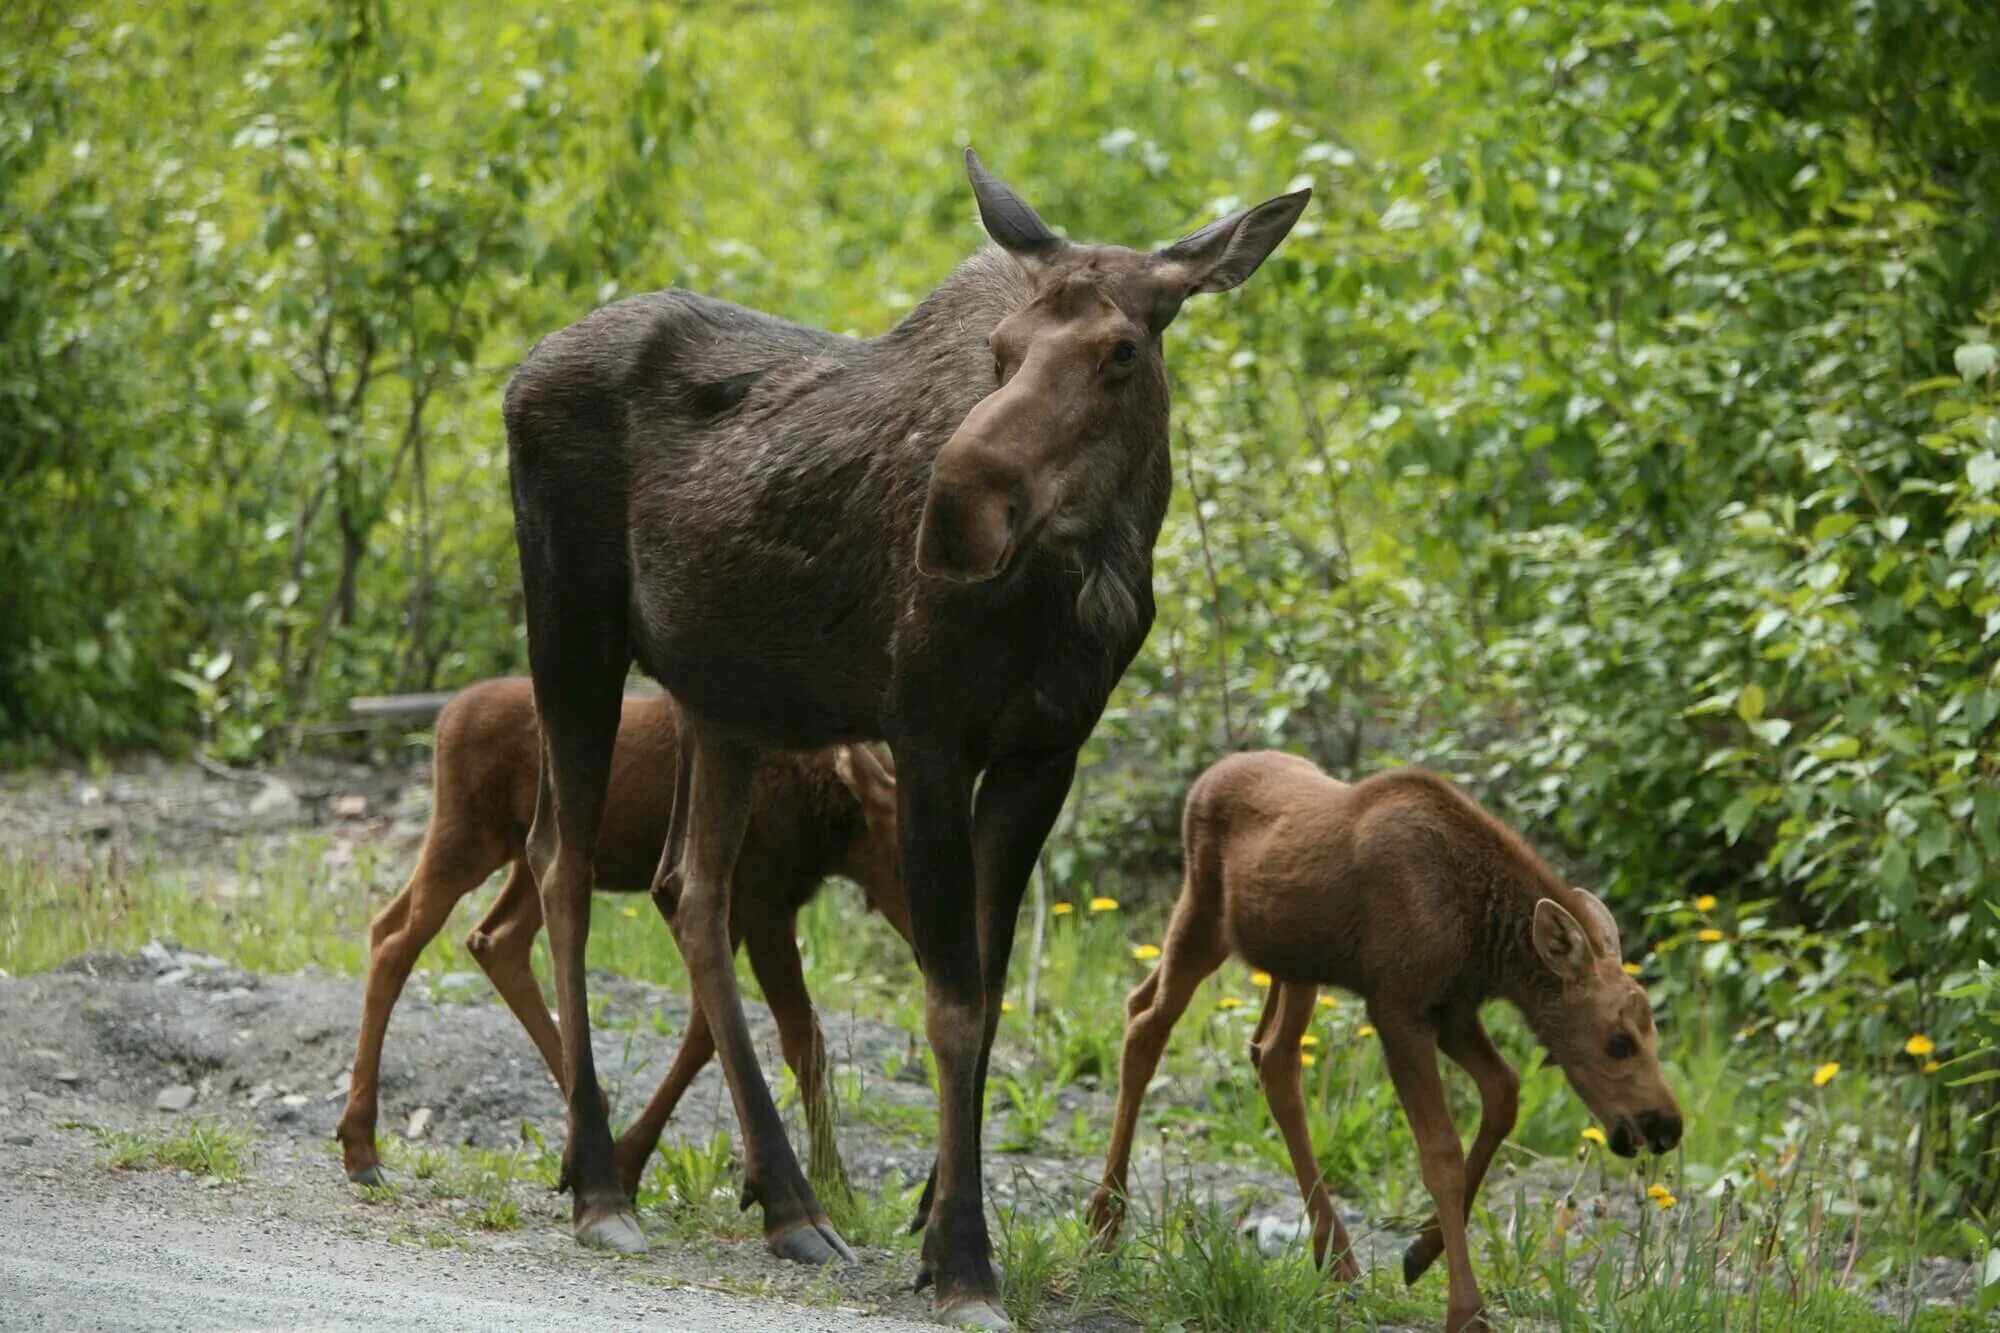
(940, 537)
(811, 815)
(1401, 889)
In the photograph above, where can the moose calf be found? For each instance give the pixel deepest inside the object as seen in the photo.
(1401, 889)
(812, 814)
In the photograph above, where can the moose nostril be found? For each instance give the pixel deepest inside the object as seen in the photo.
(1663, 1131)
(1624, 1139)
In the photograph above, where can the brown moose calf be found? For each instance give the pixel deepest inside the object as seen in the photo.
(1401, 889)
(812, 814)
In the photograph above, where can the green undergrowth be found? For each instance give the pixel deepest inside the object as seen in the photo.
(202, 1147)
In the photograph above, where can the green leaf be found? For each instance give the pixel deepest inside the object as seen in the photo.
(1750, 702)
(1974, 360)
(1982, 471)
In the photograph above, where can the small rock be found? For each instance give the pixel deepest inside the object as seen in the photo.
(1274, 1235)
(87, 794)
(21, 1140)
(262, 1093)
(158, 954)
(294, 1100)
(69, 1076)
(420, 1123)
(349, 806)
(174, 1097)
(175, 977)
(274, 799)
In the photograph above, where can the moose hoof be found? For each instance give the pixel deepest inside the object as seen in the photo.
(614, 1229)
(812, 1243)
(973, 1312)
(370, 1175)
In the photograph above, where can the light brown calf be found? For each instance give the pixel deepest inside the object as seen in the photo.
(1404, 891)
(812, 814)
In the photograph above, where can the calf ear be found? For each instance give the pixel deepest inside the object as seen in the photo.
(1561, 941)
(1607, 925)
(1225, 253)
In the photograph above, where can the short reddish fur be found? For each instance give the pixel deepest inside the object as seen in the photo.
(1402, 890)
(813, 814)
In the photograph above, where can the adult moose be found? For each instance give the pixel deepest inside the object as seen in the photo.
(941, 537)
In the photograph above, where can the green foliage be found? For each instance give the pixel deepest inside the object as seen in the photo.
(200, 1146)
(1620, 431)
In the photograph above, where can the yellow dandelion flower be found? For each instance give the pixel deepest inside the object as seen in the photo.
(1657, 1191)
(1309, 1040)
(1260, 978)
(1146, 953)
(1709, 935)
(1365, 1030)
(1664, 1201)
(1592, 1134)
(1327, 1001)
(1824, 1074)
(1632, 969)
(1919, 1045)
(1229, 1002)
(1705, 903)
(632, 912)
(1766, 1179)
(1307, 1060)
(1103, 904)
(1062, 909)
(1006, 1006)
(1932, 1066)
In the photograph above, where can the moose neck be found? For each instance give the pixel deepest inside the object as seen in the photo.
(1512, 969)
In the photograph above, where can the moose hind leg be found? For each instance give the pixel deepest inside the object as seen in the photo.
(795, 1225)
(575, 578)
(1278, 1069)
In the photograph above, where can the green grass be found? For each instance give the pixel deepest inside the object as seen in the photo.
(200, 1146)
(1793, 1199)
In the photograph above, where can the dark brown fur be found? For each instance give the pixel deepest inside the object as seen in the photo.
(1402, 890)
(922, 538)
(813, 814)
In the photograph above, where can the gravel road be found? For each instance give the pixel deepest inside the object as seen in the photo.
(102, 1264)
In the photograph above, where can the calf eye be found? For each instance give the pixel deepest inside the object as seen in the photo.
(1622, 1047)
(1124, 354)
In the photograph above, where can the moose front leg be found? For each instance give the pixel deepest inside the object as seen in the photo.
(934, 792)
(1464, 1039)
(1019, 799)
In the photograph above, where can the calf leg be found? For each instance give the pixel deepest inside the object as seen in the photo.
(1464, 1039)
(1411, 1052)
(1278, 1069)
(1194, 948)
(501, 944)
(451, 865)
(795, 1226)
(635, 1146)
(774, 958)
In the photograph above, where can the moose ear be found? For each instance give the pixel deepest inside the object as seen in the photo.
(1225, 253)
(1561, 941)
(1014, 226)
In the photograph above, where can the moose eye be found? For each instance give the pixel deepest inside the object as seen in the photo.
(1124, 354)
(1622, 1047)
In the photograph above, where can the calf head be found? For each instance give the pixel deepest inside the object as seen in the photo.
(1079, 399)
(1598, 1025)
(871, 860)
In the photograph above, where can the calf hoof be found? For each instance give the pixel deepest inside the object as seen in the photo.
(371, 1174)
(1104, 1217)
(613, 1229)
(814, 1242)
(972, 1312)
(1463, 1321)
(1417, 1260)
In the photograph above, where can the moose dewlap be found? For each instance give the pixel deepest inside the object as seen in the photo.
(1404, 891)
